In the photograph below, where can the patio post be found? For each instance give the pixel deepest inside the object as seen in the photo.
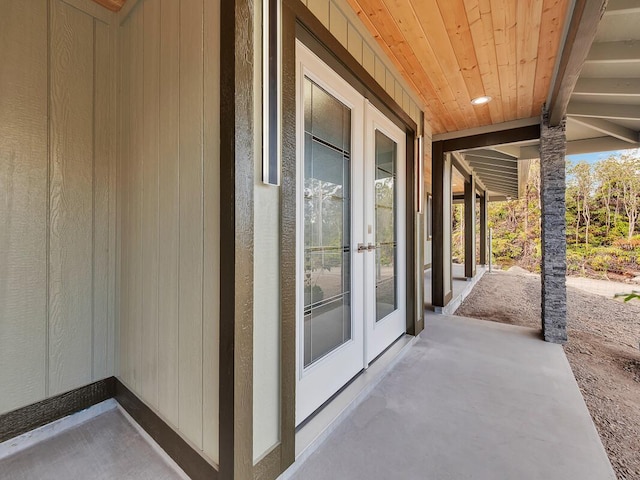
(470, 227)
(441, 277)
(553, 237)
(484, 208)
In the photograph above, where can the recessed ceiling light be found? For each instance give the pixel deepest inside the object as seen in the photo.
(480, 100)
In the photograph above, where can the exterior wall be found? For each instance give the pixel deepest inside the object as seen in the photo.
(344, 24)
(427, 146)
(169, 213)
(266, 288)
(57, 211)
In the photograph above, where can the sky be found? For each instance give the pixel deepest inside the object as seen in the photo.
(594, 157)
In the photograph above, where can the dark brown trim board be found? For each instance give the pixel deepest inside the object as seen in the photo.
(441, 293)
(470, 228)
(237, 124)
(171, 442)
(288, 241)
(583, 27)
(32, 416)
(484, 209)
(415, 323)
(520, 134)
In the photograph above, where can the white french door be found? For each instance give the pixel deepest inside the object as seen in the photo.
(385, 261)
(350, 241)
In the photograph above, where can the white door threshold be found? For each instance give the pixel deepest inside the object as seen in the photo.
(311, 435)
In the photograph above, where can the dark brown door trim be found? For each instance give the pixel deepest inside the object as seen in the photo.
(237, 123)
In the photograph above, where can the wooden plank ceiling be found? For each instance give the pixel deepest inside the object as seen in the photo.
(451, 51)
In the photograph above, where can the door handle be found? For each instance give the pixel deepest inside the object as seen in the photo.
(371, 246)
(362, 248)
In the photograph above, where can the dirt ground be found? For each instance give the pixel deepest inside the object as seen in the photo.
(602, 350)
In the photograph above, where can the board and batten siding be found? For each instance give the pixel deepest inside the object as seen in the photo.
(169, 213)
(57, 201)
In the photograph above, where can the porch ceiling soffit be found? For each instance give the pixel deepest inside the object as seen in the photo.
(604, 108)
(598, 85)
(451, 51)
(493, 157)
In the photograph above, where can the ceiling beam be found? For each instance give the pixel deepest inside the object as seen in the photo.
(614, 52)
(113, 5)
(529, 153)
(622, 7)
(608, 86)
(488, 154)
(507, 193)
(604, 110)
(593, 145)
(583, 27)
(492, 163)
(460, 166)
(492, 183)
(511, 150)
(520, 134)
(503, 187)
(501, 179)
(590, 145)
(506, 174)
(464, 169)
(608, 128)
(493, 166)
(496, 127)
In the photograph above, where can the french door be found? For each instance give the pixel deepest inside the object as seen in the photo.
(350, 241)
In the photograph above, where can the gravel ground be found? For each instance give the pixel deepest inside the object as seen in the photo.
(602, 350)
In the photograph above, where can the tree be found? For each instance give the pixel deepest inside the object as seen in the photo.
(583, 180)
(630, 189)
(606, 173)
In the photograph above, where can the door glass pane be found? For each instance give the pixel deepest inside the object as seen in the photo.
(327, 223)
(385, 227)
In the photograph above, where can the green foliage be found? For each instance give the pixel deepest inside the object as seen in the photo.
(629, 296)
(603, 216)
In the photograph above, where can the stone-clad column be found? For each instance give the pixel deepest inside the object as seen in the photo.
(553, 235)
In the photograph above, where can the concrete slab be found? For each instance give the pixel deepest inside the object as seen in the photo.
(461, 288)
(105, 447)
(471, 400)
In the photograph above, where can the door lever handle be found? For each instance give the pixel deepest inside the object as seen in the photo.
(371, 246)
(362, 248)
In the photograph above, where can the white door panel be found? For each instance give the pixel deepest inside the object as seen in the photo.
(350, 237)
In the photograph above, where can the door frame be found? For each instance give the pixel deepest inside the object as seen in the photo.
(297, 22)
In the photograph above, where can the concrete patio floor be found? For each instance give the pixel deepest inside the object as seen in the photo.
(107, 446)
(461, 287)
(471, 400)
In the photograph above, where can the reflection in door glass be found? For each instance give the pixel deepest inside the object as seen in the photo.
(327, 257)
(385, 232)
